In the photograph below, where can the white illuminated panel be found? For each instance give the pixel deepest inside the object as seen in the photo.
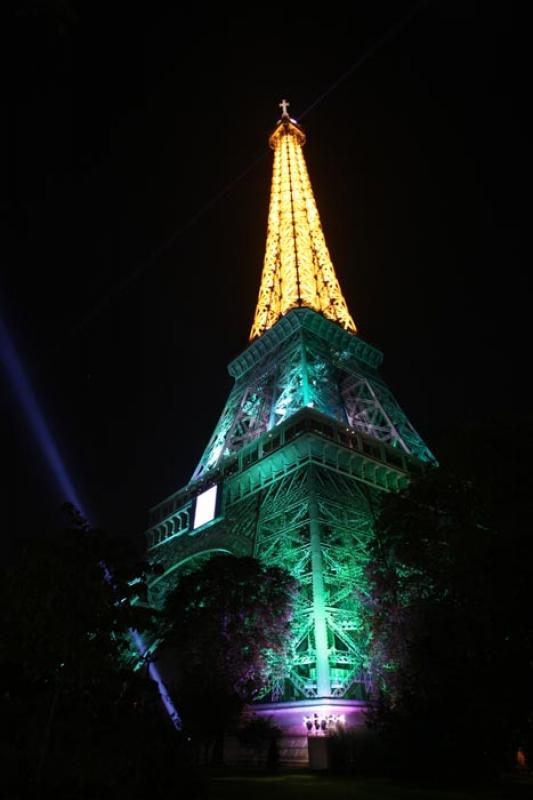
(205, 507)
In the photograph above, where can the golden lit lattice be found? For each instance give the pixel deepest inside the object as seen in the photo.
(297, 270)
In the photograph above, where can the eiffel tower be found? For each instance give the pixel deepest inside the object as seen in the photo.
(309, 439)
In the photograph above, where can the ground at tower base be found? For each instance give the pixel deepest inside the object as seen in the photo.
(292, 784)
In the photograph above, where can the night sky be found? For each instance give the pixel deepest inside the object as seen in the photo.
(135, 247)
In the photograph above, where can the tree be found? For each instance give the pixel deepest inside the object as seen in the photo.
(60, 613)
(75, 716)
(260, 736)
(451, 611)
(227, 622)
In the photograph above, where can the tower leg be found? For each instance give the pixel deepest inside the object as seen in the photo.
(323, 681)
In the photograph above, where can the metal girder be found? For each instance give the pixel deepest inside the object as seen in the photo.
(309, 439)
(283, 536)
(306, 370)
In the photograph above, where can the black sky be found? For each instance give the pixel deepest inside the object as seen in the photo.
(127, 122)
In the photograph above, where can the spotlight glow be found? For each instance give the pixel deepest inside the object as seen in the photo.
(26, 396)
(156, 677)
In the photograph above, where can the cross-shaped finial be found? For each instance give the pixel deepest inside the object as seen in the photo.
(284, 106)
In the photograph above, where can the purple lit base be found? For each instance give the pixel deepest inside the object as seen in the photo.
(289, 717)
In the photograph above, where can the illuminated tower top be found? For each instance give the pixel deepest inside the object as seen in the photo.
(297, 270)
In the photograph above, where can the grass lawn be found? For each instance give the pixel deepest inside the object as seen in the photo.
(259, 786)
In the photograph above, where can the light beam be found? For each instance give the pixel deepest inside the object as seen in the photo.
(25, 395)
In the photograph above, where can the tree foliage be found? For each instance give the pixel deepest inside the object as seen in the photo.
(452, 625)
(227, 622)
(59, 611)
(75, 716)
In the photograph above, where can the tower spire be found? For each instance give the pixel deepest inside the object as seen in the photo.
(297, 269)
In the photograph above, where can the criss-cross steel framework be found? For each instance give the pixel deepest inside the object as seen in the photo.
(305, 361)
(308, 441)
